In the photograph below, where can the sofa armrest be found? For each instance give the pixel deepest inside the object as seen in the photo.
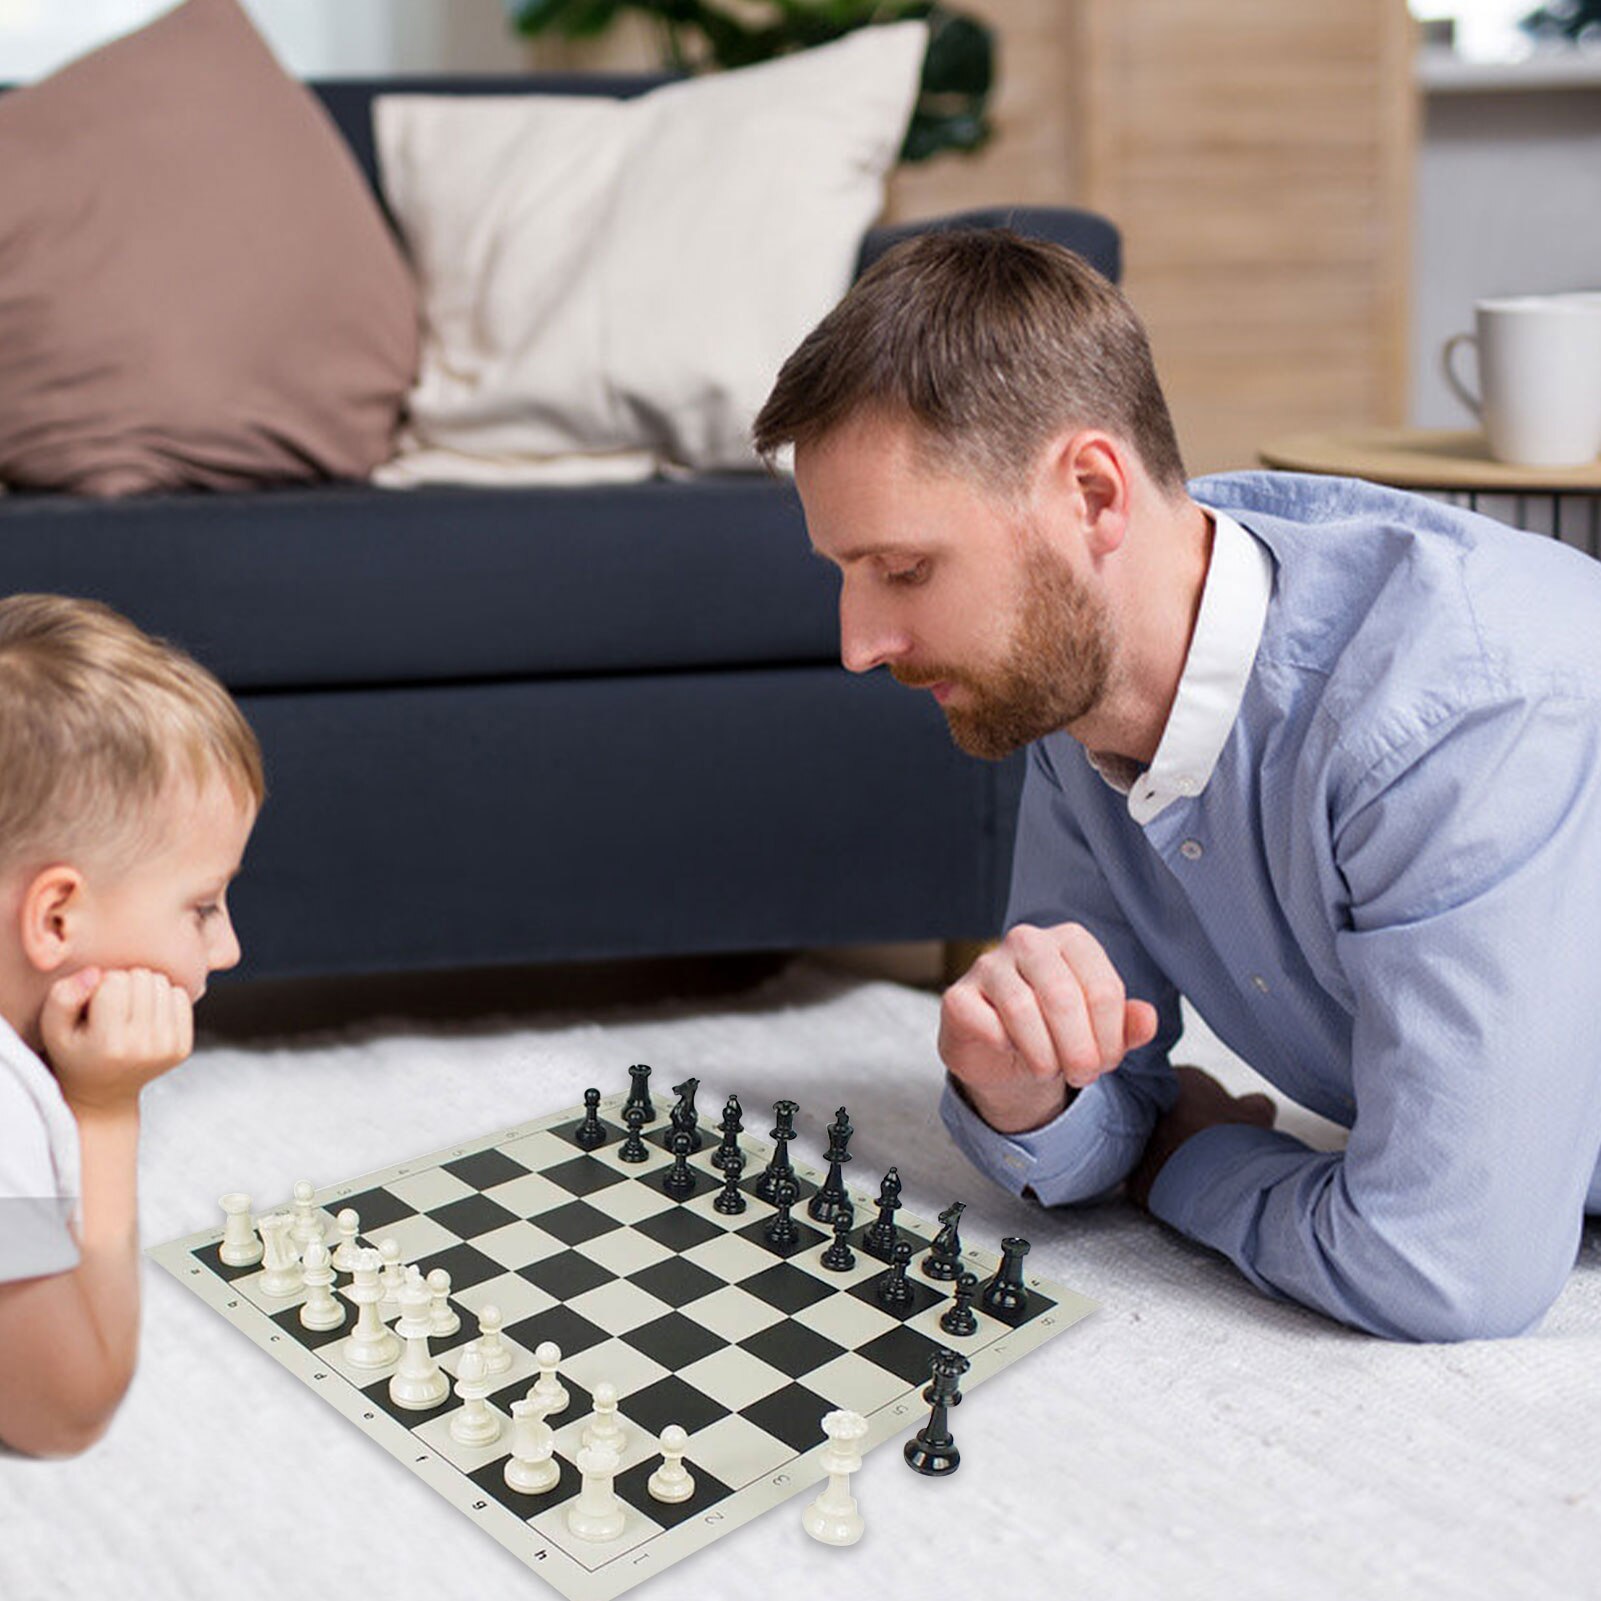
(1090, 235)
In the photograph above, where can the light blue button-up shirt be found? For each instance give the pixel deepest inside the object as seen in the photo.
(1386, 898)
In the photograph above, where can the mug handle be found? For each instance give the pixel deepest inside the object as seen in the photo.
(1447, 364)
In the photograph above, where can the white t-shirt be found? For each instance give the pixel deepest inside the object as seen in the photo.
(40, 1166)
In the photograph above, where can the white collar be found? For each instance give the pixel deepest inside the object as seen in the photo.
(1228, 628)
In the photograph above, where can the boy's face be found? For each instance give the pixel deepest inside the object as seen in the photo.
(169, 911)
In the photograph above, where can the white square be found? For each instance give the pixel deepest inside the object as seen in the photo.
(733, 1377)
(542, 1150)
(734, 1314)
(737, 1452)
(618, 1307)
(730, 1258)
(529, 1195)
(468, 1458)
(846, 1320)
(416, 1236)
(630, 1203)
(615, 1363)
(434, 1187)
(517, 1244)
(852, 1381)
(592, 1554)
(513, 1294)
(624, 1252)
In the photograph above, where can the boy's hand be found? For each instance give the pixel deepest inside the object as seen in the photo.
(1034, 1021)
(107, 1034)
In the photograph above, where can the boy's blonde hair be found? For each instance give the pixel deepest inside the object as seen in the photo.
(97, 720)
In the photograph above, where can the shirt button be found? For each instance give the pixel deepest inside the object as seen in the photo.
(1260, 982)
(1186, 786)
(1016, 1163)
(1190, 850)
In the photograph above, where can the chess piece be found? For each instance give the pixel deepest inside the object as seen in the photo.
(639, 1092)
(679, 1181)
(958, 1318)
(349, 1222)
(548, 1388)
(474, 1423)
(839, 1257)
(892, 1287)
(418, 1384)
(730, 1199)
(672, 1481)
(590, 1134)
(933, 1450)
(394, 1269)
(881, 1235)
(603, 1428)
(1006, 1296)
(833, 1517)
(240, 1247)
(493, 1349)
(831, 1198)
(779, 1166)
(781, 1232)
(730, 1128)
(308, 1224)
(597, 1514)
(684, 1115)
(370, 1344)
(944, 1259)
(532, 1468)
(634, 1149)
(281, 1274)
(322, 1308)
(446, 1320)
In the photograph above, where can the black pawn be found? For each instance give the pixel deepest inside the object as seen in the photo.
(892, 1287)
(933, 1450)
(634, 1149)
(730, 1198)
(684, 1115)
(679, 1180)
(958, 1317)
(831, 1198)
(1006, 1295)
(839, 1257)
(639, 1092)
(589, 1133)
(778, 1167)
(781, 1230)
(944, 1259)
(881, 1235)
(731, 1127)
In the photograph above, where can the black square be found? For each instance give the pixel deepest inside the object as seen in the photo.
(674, 1341)
(491, 1479)
(571, 1332)
(753, 1177)
(903, 1352)
(671, 1400)
(576, 1222)
(566, 1274)
(633, 1487)
(675, 1228)
(472, 1215)
(378, 1396)
(790, 1289)
(701, 1183)
(792, 1348)
(485, 1170)
(580, 1403)
(793, 1415)
(465, 1265)
(584, 1175)
(377, 1209)
(806, 1237)
(1037, 1304)
(676, 1282)
(313, 1339)
(210, 1256)
(923, 1297)
(615, 1134)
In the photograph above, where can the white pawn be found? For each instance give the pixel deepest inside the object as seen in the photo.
(603, 1428)
(548, 1387)
(419, 1383)
(394, 1268)
(597, 1514)
(323, 1310)
(445, 1320)
(240, 1247)
(672, 1481)
(345, 1251)
(281, 1275)
(474, 1423)
(494, 1350)
(308, 1224)
(370, 1344)
(832, 1517)
(532, 1467)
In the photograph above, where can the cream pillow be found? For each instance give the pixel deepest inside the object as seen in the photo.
(621, 279)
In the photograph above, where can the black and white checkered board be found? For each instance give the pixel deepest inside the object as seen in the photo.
(688, 1311)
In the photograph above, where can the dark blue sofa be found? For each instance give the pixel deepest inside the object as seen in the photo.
(532, 725)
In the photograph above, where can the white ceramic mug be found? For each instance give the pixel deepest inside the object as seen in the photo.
(1539, 377)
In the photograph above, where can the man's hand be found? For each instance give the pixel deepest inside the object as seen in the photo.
(1202, 1103)
(1034, 1021)
(108, 1034)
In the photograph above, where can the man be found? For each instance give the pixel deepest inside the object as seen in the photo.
(1323, 757)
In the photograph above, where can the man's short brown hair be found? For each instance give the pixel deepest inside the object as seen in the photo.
(97, 721)
(990, 343)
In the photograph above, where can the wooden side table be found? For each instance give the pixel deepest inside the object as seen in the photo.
(1455, 466)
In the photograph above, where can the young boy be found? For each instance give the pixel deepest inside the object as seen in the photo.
(129, 783)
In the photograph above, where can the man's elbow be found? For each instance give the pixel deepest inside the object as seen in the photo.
(1489, 1306)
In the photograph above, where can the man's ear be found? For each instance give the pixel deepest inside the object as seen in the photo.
(51, 908)
(1092, 471)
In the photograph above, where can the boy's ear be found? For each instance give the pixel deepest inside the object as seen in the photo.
(51, 907)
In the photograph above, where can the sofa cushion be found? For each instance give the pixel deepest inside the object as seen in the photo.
(196, 285)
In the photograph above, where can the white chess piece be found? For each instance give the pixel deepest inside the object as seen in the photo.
(672, 1481)
(345, 1252)
(394, 1268)
(281, 1275)
(322, 1310)
(475, 1423)
(832, 1517)
(603, 1428)
(308, 1221)
(418, 1384)
(240, 1247)
(369, 1344)
(597, 1514)
(445, 1319)
(548, 1387)
(532, 1467)
(494, 1350)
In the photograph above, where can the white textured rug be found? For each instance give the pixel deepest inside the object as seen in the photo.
(1191, 1439)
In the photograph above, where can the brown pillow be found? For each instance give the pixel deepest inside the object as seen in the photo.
(196, 285)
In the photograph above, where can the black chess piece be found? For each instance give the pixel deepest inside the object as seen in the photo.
(933, 1450)
(639, 1092)
(679, 1180)
(779, 1166)
(881, 1234)
(589, 1134)
(634, 1149)
(831, 1198)
(839, 1257)
(892, 1287)
(944, 1259)
(731, 1199)
(958, 1317)
(781, 1231)
(1006, 1296)
(731, 1127)
(684, 1115)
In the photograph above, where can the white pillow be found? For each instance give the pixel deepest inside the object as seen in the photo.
(622, 279)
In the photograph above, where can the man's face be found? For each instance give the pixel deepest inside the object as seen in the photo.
(955, 590)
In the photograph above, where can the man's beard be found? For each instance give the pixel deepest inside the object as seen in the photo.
(1055, 670)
